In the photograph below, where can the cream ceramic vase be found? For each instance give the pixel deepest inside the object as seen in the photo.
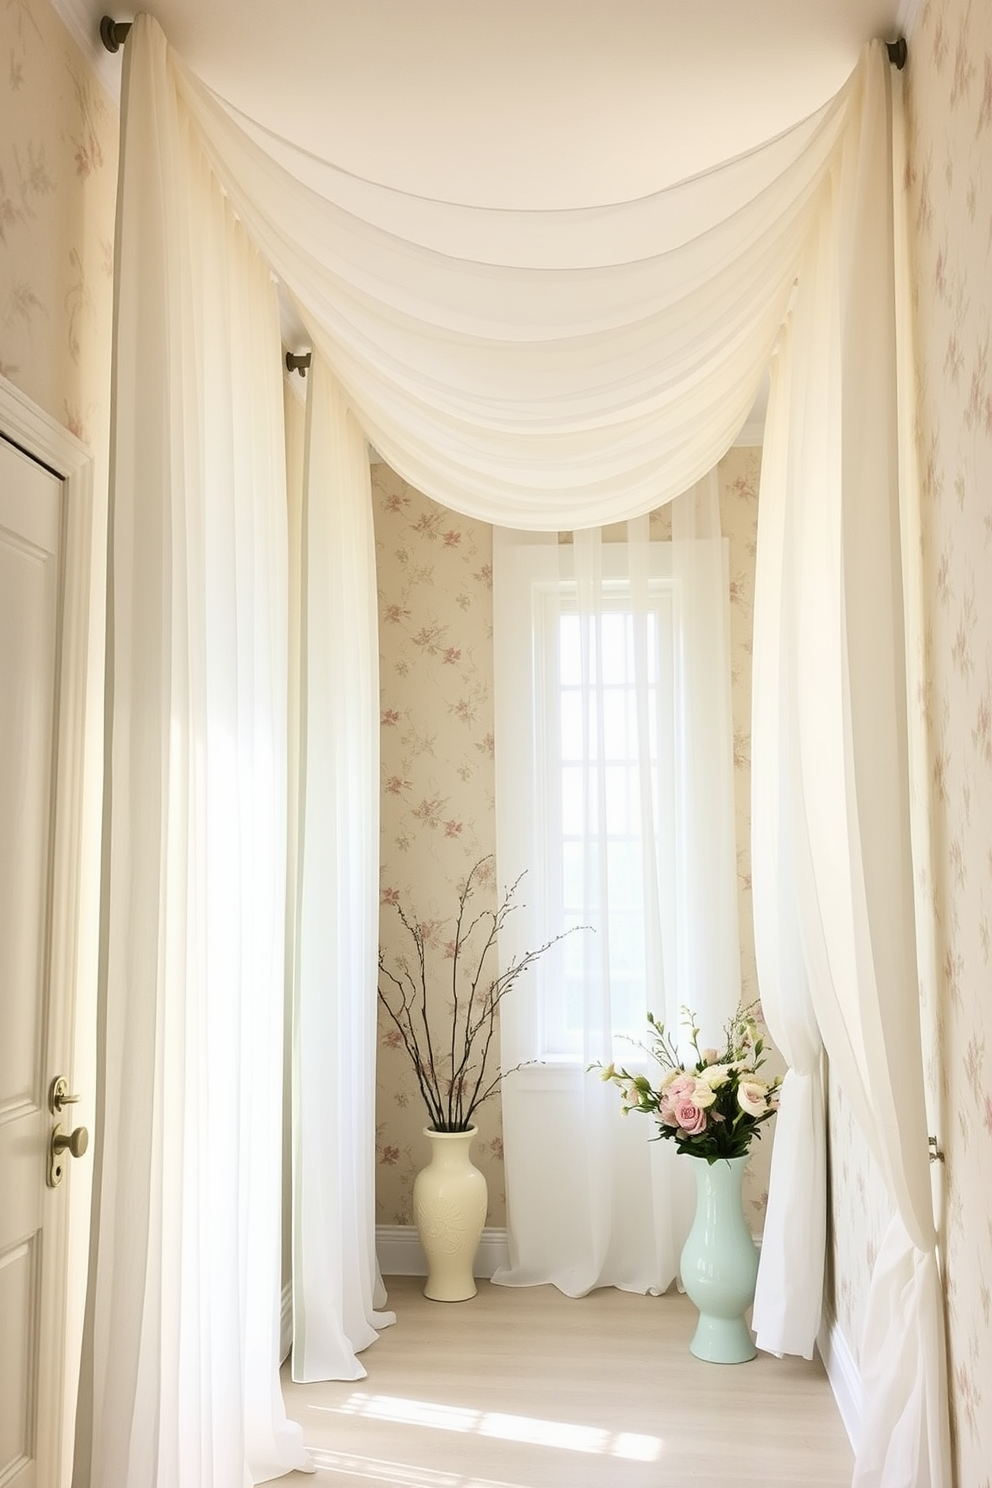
(719, 1264)
(450, 1201)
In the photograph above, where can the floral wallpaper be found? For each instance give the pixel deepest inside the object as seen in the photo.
(438, 785)
(949, 185)
(438, 781)
(58, 183)
(950, 198)
(859, 1210)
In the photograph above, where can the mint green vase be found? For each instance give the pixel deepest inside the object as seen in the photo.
(720, 1264)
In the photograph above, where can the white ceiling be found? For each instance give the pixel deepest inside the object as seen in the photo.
(519, 102)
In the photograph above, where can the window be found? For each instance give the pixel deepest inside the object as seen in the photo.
(589, 753)
(614, 799)
(603, 741)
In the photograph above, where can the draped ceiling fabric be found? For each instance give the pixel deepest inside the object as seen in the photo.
(539, 369)
(545, 370)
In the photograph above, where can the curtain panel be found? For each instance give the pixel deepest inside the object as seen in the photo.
(789, 1293)
(833, 622)
(333, 913)
(540, 370)
(179, 1376)
(614, 775)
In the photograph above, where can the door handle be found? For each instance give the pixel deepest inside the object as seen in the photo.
(58, 1095)
(75, 1143)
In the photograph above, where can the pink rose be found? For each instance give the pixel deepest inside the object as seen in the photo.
(690, 1118)
(683, 1087)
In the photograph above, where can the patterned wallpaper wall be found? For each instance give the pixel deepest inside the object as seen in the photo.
(949, 98)
(438, 784)
(435, 628)
(950, 109)
(58, 184)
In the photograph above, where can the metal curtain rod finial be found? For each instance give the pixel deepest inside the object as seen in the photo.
(898, 52)
(297, 363)
(113, 33)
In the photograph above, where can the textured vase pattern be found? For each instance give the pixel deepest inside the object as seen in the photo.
(720, 1264)
(450, 1201)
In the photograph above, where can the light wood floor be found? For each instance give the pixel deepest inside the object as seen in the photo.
(526, 1388)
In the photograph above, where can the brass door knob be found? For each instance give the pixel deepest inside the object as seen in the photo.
(75, 1143)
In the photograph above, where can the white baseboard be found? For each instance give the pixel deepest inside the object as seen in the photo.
(399, 1252)
(843, 1374)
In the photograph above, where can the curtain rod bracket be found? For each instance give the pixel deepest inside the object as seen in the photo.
(113, 33)
(298, 363)
(898, 52)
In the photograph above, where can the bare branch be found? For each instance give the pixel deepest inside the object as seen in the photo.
(454, 1085)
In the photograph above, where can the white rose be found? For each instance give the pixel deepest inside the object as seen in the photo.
(703, 1094)
(715, 1075)
(752, 1097)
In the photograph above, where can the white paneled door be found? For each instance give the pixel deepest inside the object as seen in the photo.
(38, 1137)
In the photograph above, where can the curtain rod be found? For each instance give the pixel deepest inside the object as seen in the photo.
(113, 34)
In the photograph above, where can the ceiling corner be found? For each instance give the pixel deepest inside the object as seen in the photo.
(78, 19)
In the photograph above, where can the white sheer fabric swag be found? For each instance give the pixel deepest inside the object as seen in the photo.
(538, 369)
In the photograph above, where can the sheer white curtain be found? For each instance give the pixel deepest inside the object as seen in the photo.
(180, 1366)
(789, 1294)
(614, 790)
(834, 513)
(334, 911)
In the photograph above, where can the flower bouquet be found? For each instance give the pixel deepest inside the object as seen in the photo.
(710, 1106)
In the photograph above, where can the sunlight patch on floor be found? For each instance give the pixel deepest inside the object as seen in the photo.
(561, 1435)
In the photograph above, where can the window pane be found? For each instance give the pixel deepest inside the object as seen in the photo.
(569, 651)
(616, 633)
(617, 791)
(618, 740)
(624, 866)
(572, 880)
(629, 1007)
(594, 770)
(573, 813)
(570, 714)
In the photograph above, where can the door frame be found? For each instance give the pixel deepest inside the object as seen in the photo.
(75, 888)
